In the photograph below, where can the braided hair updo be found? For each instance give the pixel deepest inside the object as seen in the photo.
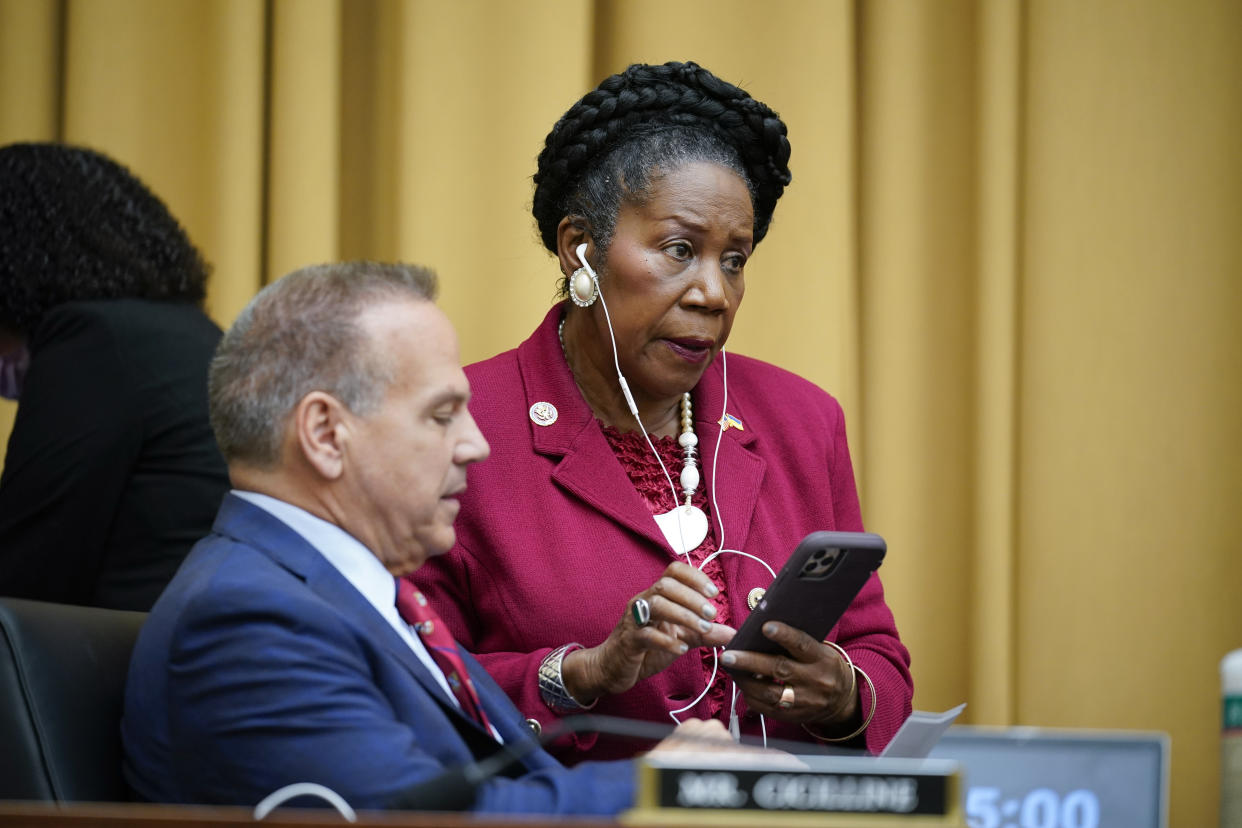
(652, 119)
(76, 225)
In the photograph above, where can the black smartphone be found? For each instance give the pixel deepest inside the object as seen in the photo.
(813, 588)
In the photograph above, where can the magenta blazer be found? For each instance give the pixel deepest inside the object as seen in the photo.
(553, 540)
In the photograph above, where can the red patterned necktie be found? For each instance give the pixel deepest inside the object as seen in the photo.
(415, 611)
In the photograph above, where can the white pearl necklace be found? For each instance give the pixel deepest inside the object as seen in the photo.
(689, 443)
(685, 527)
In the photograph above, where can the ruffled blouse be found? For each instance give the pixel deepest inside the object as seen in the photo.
(635, 456)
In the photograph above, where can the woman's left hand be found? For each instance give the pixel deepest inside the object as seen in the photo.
(816, 684)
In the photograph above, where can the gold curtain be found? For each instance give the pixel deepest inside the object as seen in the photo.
(1010, 249)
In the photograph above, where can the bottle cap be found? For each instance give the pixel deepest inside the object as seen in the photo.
(1231, 673)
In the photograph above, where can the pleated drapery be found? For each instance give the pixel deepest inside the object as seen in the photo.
(1011, 249)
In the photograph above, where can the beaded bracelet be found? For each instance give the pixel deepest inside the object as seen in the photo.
(552, 682)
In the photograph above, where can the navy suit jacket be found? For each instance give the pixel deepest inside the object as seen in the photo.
(261, 666)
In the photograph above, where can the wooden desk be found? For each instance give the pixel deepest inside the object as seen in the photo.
(141, 815)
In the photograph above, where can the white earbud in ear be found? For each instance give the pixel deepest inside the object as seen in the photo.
(583, 284)
(581, 251)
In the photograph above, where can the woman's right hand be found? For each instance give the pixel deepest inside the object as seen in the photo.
(681, 618)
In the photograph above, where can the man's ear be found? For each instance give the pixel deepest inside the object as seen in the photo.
(571, 232)
(320, 433)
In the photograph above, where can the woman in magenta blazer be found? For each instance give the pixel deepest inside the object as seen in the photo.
(619, 528)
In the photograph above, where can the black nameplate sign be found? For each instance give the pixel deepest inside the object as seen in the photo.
(850, 786)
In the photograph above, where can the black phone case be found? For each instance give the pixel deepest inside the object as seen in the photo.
(814, 587)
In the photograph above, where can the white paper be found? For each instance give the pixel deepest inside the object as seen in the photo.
(919, 734)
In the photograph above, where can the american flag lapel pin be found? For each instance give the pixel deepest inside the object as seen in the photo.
(728, 421)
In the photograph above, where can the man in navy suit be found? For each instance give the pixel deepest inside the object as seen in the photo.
(277, 655)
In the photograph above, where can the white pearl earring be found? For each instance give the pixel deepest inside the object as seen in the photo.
(582, 288)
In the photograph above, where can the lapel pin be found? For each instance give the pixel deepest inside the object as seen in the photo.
(728, 421)
(543, 413)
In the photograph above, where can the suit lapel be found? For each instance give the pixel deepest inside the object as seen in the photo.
(256, 527)
(588, 468)
(335, 589)
(503, 715)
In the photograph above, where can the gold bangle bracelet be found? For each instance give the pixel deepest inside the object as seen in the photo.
(849, 666)
(863, 726)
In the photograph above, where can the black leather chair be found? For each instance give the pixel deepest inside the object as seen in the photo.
(62, 682)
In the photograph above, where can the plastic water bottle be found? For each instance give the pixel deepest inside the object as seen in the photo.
(1231, 741)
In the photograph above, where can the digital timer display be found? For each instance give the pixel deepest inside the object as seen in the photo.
(1039, 808)
(1036, 778)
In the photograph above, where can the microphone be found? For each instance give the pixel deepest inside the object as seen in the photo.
(456, 788)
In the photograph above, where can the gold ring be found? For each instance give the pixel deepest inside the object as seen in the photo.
(787, 698)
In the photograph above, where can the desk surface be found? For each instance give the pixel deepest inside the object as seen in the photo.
(141, 815)
(48, 815)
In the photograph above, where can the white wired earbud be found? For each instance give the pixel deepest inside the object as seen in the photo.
(625, 386)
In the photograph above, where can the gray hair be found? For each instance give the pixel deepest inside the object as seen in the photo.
(300, 334)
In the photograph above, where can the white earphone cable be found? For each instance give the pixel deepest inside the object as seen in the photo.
(629, 398)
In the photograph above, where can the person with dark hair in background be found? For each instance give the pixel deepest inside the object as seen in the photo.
(111, 472)
(643, 487)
